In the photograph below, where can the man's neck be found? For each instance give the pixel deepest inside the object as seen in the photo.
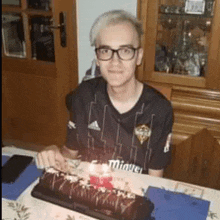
(125, 97)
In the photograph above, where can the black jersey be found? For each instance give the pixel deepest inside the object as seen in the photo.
(134, 141)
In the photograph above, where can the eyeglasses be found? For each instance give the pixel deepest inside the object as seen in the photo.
(124, 53)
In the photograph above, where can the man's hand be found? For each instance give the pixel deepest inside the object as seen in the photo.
(51, 156)
(156, 173)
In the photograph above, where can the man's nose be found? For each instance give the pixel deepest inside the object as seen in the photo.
(115, 57)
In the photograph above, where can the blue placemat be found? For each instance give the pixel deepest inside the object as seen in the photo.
(13, 191)
(176, 206)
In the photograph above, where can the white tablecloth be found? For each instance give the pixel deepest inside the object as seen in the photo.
(28, 208)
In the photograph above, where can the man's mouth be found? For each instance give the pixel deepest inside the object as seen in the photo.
(115, 71)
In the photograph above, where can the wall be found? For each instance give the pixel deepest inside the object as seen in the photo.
(88, 11)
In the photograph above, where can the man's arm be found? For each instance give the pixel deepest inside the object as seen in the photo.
(156, 173)
(162, 152)
(68, 153)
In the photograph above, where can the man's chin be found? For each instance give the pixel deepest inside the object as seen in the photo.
(114, 82)
(117, 82)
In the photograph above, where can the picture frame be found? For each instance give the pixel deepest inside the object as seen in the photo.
(195, 7)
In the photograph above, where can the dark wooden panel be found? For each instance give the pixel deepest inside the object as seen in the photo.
(32, 131)
(30, 97)
(196, 142)
(31, 109)
(195, 109)
(180, 160)
(30, 67)
(196, 160)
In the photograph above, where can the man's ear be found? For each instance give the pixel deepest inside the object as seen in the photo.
(140, 56)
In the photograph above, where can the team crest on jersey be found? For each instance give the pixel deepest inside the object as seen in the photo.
(142, 132)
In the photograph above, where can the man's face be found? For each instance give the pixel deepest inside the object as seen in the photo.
(119, 72)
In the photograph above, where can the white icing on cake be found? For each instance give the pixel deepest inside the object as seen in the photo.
(51, 170)
(71, 178)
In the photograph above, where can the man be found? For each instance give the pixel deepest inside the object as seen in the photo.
(116, 118)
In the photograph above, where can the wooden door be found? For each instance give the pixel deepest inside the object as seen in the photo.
(37, 76)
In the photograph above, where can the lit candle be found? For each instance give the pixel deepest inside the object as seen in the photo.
(100, 175)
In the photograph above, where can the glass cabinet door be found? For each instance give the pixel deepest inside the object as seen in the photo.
(13, 35)
(39, 4)
(181, 42)
(11, 2)
(183, 35)
(42, 39)
(26, 30)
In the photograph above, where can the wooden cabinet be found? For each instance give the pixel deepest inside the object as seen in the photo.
(39, 67)
(165, 30)
(195, 96)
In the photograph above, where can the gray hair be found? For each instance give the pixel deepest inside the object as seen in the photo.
(114, 17)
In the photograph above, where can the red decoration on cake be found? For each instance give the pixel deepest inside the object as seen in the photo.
(98, 182)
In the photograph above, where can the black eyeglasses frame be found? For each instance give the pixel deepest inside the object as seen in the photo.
(116, 51)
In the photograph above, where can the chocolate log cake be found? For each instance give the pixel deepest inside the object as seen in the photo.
(112, 202)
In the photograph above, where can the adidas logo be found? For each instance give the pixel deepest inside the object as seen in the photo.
(71, 125)
(94, 126)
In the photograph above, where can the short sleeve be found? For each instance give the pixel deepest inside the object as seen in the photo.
(161, 151)
(71, 137)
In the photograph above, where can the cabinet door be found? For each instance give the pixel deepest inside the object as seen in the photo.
(181, 42)
(39, 49)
